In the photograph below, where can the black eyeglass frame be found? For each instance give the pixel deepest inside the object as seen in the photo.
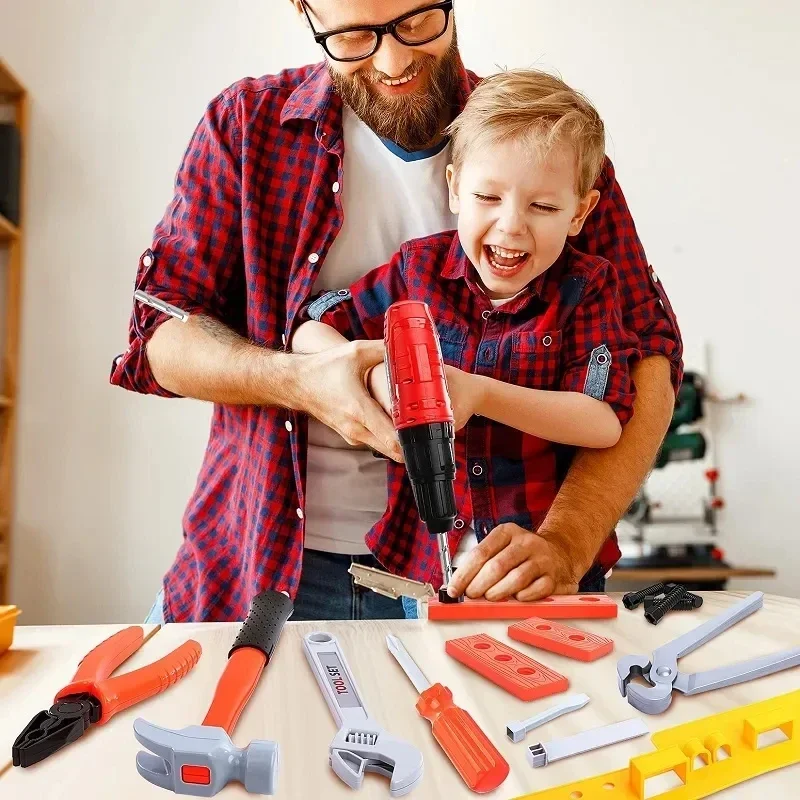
(381, 30)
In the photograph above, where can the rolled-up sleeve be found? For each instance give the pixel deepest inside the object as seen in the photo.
(609, 232)
(599, 352)
(196, 254)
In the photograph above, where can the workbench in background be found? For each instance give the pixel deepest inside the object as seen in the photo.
(288, 707)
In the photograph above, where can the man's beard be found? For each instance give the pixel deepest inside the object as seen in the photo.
(413, 120)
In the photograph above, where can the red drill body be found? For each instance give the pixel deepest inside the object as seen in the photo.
(423, 416)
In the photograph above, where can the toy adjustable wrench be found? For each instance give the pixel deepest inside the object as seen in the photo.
(360, 745)
(661, 670)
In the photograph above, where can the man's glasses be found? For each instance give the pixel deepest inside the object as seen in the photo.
(413, 29)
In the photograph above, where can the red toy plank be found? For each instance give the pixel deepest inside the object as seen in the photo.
(561, 639)
(508, 668)
(569, 606)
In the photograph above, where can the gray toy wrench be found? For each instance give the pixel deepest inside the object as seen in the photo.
(360, 744)
(661, 670)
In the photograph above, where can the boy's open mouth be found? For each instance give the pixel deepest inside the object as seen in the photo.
(505, 263)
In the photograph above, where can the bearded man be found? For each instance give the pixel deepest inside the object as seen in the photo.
(297, 183)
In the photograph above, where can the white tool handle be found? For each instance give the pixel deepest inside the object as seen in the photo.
(539, 755)
(335, 679)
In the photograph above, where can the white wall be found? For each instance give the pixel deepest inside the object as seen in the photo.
(701, 104)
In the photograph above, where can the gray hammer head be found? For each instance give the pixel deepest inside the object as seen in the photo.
(200, 760)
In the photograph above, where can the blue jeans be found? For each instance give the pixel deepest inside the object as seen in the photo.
(326, 592)
(593, 582)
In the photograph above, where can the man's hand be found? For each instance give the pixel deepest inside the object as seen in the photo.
(333, 390)
(465, 393)
(513, 561)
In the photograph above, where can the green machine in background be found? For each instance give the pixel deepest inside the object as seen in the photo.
(685, 445)
(684, 442)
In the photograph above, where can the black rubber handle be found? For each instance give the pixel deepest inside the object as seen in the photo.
(265, 620)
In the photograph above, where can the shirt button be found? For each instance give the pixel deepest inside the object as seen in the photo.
(655, 278)
(485, 314)
(300, 513)
(148, 261)
(477, 470)
(547, 341)
(342, 292)
(459, 524)
(288, 425)
(283, 339)
(335, 187)
(313, 258)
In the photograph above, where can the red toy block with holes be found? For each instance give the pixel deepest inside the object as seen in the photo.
(508, 668)
(565, 606)
(561, 639)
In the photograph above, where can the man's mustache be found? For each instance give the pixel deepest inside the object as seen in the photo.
(372, 76)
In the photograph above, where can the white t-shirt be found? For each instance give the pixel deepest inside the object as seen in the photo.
(388, 197)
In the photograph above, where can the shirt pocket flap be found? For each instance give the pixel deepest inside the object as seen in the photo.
(452, 339)
(536, 341)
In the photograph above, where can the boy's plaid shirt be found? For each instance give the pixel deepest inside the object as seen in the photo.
(256, 207)
(564, 332)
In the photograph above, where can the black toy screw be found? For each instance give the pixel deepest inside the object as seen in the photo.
(634, 599)
(671, 599)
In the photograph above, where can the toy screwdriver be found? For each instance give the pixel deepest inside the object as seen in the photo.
(475, 758)
(92, 698)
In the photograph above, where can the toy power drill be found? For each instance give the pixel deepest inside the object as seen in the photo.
(423, 419)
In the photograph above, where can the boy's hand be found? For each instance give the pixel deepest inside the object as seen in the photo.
(513, 561)
(465, 391)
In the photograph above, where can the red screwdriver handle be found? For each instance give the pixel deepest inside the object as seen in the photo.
(477, 760)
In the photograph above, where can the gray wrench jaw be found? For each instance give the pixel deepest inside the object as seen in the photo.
(652, 699)
(353, 752)
(256, 766)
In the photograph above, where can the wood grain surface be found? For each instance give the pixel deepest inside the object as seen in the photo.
(288, 707)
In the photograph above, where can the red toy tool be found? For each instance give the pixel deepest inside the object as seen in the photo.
(423, 419)
(577, 606)
(561, 639)
(476, 759)
(508, 668)
(92, 698)
(201, 759)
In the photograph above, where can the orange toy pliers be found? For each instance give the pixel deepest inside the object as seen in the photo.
(92, 697)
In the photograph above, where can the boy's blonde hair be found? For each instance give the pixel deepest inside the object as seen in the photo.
(537, 108)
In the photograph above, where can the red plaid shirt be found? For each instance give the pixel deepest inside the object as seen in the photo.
(564, 332)
(255, 209)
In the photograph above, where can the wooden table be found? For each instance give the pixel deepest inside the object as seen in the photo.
(287, 706)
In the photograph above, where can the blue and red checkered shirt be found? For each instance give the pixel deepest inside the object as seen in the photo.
(563, 332)
(255, 209)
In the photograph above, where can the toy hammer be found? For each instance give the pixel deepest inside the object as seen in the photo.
(200, 760)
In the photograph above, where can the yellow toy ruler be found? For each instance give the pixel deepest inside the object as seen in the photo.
(708, 755)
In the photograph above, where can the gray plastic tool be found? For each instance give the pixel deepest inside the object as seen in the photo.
(516, 730)
(256, 766)
(661, 673)
(540, 755)
(360, 744)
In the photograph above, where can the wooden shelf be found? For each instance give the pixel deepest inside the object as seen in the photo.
(14, 99)
(9, 83)
(682, 574)
(8, 231)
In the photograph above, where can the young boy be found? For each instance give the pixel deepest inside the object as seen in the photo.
(538, 360)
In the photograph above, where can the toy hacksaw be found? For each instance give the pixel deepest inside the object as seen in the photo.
(708, 755)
